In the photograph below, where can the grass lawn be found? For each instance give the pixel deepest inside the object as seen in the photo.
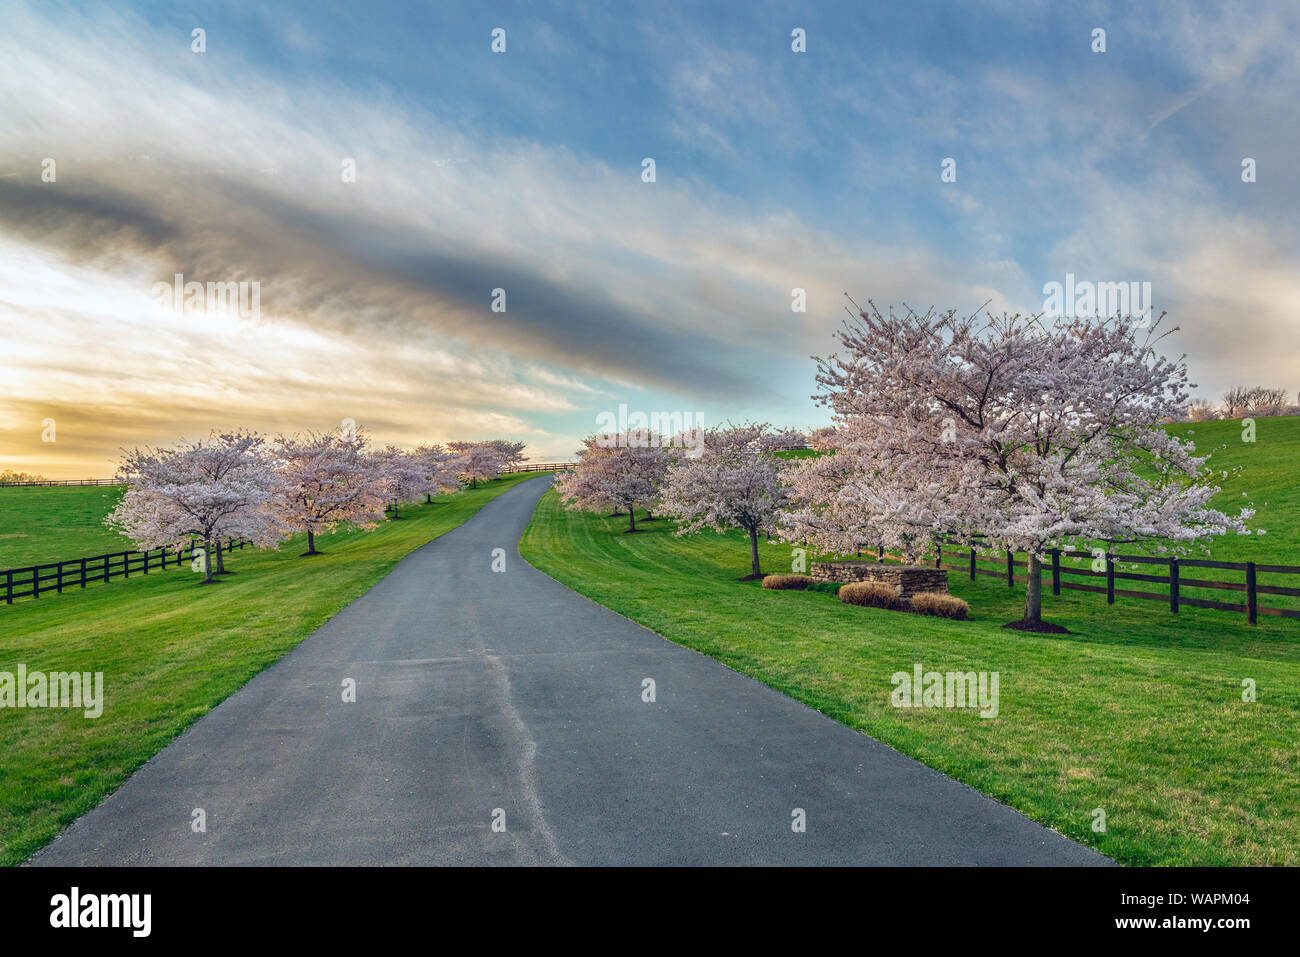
(1138, 712)
(40, 525)
(171, 650)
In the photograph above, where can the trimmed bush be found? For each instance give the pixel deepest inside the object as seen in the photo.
(937, 603)
(787, 581)
(871, 594)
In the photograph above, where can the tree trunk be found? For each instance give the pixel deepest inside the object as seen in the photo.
(631, 519)
(207, 561)
(1034, 591)
(648, 516)
(473, 483)
(753, 550)
(221, 562)
(311, 542)
(428, 499)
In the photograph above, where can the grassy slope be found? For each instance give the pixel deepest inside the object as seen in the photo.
(1138, 712)
(171, 650)
(1267, 482)
(39, 525)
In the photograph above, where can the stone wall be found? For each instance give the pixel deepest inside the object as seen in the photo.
(908, 580)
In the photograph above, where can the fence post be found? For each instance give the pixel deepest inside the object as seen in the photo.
(1110, 579)
(880, 553)
(146, 561)
(1173, 584)
(1011, 571)
(1056, 571)
(126, 564)
(9, 586)
(58, 578)
(83, 573)
(36, 581)
(1252, 602)
(105, 568)
(972, 563)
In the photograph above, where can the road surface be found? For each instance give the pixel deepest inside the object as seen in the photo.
(499, 720)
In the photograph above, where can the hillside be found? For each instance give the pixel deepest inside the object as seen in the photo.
(40, 525)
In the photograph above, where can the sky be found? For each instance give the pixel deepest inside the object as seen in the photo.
(129, 157)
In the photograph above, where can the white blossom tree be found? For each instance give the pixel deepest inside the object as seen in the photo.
(735, 483)
(615, 470)
(512, 453)
(402, 475)
(439, 468)
(327, 481)
(478, 461)
(215, 491)
(1031, 435)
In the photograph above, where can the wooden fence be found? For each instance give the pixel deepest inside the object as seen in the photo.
(59, 483)
(56, 576)
(1173, 577)
(63, 483)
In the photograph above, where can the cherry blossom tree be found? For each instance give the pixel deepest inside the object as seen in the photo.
(620, 470)
(215, 490)
(735, 483)
(327, 481)
(402, 475)
(822, 439)
(438, 465)
(512, 453)
(478, 461)
(1031, 435)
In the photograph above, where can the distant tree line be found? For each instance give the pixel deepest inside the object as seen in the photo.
(1242, 401)
(245, 486)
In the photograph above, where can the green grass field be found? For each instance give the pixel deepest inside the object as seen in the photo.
(1137, 712)
(41, 525)
(1269, 481)
(171, 650)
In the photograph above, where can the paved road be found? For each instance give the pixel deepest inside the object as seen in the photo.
(479, 691)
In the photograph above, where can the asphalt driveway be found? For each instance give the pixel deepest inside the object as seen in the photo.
(499, 719)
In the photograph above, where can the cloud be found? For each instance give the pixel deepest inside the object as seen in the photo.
(777, 172)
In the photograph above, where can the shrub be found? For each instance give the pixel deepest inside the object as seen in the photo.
(871, 594)
(937, 603)
(787, 581)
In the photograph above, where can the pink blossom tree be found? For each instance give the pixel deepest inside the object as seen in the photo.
(438, 466)
(401, 474)
(615, 470)
(478, 461)
(736, 483)
(512, 453)
(327, 481)
(215, 490)
(1030, 434)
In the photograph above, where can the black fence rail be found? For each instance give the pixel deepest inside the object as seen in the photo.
(1174, 577)
(63, 483)
(37, 580)
(59, 483)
